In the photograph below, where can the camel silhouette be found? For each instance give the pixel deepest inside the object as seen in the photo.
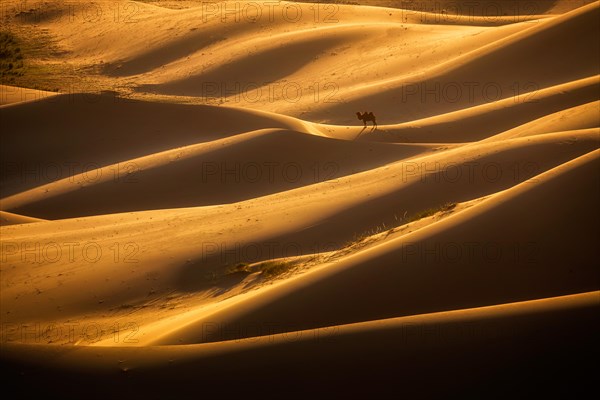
(367, 117)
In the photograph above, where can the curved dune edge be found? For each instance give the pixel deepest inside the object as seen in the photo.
(437, 129)
(457, 127)
(183, 264)
(553, 333)
(282, 303)
(192, 172)
(580, 117)
(387, 329)
(160, 171)
(498, 117)
(377, 92)
(7, 218)
(392, 325)
(384, 274)
(153, 56)
(489, 63)
(116, 130)
(11, 95)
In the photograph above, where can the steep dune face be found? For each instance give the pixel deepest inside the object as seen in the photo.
(497, 117)
(302, 221)
(13, 94)
(78, 133)
(326, 58)
(405, 68)
(490, 9)
(7, 218)
(246, 71)
(474, 258)
(407, 351)
(584, 116)
(495, 71)
(228, 170)
(204, 198)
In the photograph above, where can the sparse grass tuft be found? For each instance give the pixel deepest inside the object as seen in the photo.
(371, 235)
(271, 269)
(431, 211)
(274, 268)
(268, 269)
(240, 268)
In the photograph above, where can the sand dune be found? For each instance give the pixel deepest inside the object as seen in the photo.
(13, 94)
(496, 71)
(224, 62)
(380, 283)
(197, 211)
(465, 125)
(210, 239)
(407, 350)
(222, 171)
(7, 218)
(73, 134)
(581, 117)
